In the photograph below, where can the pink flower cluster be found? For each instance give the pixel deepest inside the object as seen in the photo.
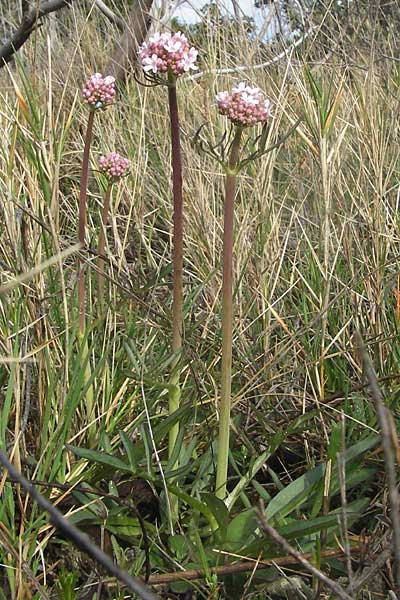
(99, 91)
(245, 105)
(166, 52)
(113, 165)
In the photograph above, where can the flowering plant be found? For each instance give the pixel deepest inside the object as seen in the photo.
(244, 106)
(164, 58)
(113, 165)
(99, 91)
(167, 53)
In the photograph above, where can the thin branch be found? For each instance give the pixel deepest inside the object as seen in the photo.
(129, 503)
(125, 53)
(389, 450)
(77, 537)
(377, 564)
(28, 24)
(272, 533)
(264, 65)
(239, 567)
(111, 16)
(8, 546)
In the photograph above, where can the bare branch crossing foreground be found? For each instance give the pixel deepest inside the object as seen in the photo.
(80, 539)
(388, 434)
(272, 533)
(29, 23)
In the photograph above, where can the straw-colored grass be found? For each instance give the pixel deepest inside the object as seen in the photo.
(316, 259)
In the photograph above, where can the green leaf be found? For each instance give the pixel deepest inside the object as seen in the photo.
(241, 527)
(100, 458)
(251, 473)
(218, 509)
(293, 495)
(129, 449)
(298, 529)
(353, 478)
(361, 447)
(303, 488)
(200, 507)
(180, 587)
(181, 415)
(335, 443)
(123, 526)
(84, 516)
(179, 546)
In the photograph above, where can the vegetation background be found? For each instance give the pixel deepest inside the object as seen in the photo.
(316, 260)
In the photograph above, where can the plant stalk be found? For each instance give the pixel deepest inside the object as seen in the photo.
(82, 221)
(102, 243)
(227, 319)
(177, 261)
(89, 396)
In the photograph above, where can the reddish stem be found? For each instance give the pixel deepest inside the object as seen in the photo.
(177, 261)
(102, 242)
(177, 258)
(82, 220)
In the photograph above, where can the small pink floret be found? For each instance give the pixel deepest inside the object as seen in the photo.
(244, 105)
(113, 165)
(99, 91)
(168, 52)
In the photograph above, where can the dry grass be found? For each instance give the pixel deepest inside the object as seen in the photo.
(316, 257)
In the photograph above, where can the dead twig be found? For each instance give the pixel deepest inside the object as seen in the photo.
(271, 532)
(125, 53)
(111, 16)
(28, 24)
(377, 564)
(77, 537)
(239, 567)
(389, 446)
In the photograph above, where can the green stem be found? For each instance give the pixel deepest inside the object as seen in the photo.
(177, 260)
(102, 244)
(227, 319)
(82, 221)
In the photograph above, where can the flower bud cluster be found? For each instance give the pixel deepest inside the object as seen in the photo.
(99, 91)
(244, 106)
(113, 165)
(166, 52)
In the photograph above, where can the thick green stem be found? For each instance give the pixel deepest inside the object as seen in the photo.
(227, 319)
(102, 244)
(177, 260)
(82, 221)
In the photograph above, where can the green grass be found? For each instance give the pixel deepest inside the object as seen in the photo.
(316, 259)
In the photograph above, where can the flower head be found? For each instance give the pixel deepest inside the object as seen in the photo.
(99, 91)
(113, 165)
(244, 105)
(168, 52)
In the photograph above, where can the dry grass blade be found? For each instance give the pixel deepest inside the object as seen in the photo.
(24, 277)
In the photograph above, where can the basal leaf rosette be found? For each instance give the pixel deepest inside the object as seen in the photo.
(167, 53)
(244, 105)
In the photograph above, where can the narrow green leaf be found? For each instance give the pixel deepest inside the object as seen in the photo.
(129, 449)
(100, 458)
(218, 509)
